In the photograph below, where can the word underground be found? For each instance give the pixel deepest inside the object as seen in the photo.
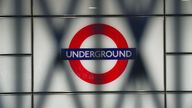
(98, 53)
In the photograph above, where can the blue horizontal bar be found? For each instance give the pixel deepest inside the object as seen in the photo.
(98, 53)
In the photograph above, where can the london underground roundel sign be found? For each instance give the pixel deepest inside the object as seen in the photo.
(122, 53)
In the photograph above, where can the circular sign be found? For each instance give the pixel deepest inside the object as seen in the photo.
(81, 71)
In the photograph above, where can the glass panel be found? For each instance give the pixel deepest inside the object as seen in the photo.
(95, 7)
(179, 72)
(105, 101)
(178, 6)
(15, 35)
(15, 7)
(144, 73)
(15, 101)
(179, 100)
(15, 74)
(178, 34)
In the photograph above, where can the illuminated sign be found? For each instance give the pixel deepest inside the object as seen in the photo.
(122, 53)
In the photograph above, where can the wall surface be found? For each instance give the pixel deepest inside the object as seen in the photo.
(33, 75)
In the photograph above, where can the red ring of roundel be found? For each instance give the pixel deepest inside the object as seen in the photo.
(110, 75)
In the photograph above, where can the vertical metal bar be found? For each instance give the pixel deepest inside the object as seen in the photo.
(32, 51)
(164, 53)
(18, 29)
(177, 44)
(98, 44)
